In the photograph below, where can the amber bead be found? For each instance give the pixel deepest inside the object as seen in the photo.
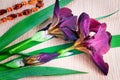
(20, 14)
(11, 16)
(40, 1)
(35, 9)
(17, 6)
(27, 11)
(39, 5)
(31, 2)
(9, 9)
(24, 3)
(4, 19)
(3, 11)
(1, 22)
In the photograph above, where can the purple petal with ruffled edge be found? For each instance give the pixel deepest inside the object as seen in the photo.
(83, 25)
(69, 28)
(65, 13)
(94, 25)
(98, 60)
(99, 44)
(71, 23)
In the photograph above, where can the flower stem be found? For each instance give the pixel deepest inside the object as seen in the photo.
(64, 51)
(12, 51)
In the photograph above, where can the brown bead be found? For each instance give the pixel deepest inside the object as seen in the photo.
(39, 5)
(27, 12)
(17, 6)
(9, 9)
(35, 9)
(11, 16)
(4, 19)
(20, 14)
(39, 1)
(3, 11)
(24, 3)
(31, 2)
(1, 22)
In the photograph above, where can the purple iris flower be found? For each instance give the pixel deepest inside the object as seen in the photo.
(64, 23)
(40, 59)
(98, 44)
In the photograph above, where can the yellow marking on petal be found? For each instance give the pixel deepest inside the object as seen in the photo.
(56, 31)
(83, 49)
(60, 36)
(78, 42)
(31, 60)
(78, 45)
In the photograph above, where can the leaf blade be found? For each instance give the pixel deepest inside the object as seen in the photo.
(103, 17)
(36, 71)
(25, 25)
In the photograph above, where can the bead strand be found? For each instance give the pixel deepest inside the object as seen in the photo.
(19, 5)
(39, 5)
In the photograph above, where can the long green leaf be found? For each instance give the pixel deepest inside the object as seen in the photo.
(48, 50)
(27, 24)
(115, 43)
(14, 74)
(103, 17)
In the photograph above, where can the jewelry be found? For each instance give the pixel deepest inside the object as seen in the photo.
(39, 4)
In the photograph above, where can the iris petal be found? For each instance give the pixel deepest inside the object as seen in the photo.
(99, 44)
(69, 27)
(98, 60)
(64, 13)
(70, 23)
(100, 41)
(55, 16)
(41, 58)
(69, 34)
(94, 25)
(83, 25)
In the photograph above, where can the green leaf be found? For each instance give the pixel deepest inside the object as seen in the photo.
(47, 50)
(2, 68)
(25, 25)
(115, 41)
(42, 36)
(36, 71)
(28, 45)
(103, 17)
(54, 49)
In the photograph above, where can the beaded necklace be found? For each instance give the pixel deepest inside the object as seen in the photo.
(39, 4)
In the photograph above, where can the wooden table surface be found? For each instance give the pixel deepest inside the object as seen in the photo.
(95, 8)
